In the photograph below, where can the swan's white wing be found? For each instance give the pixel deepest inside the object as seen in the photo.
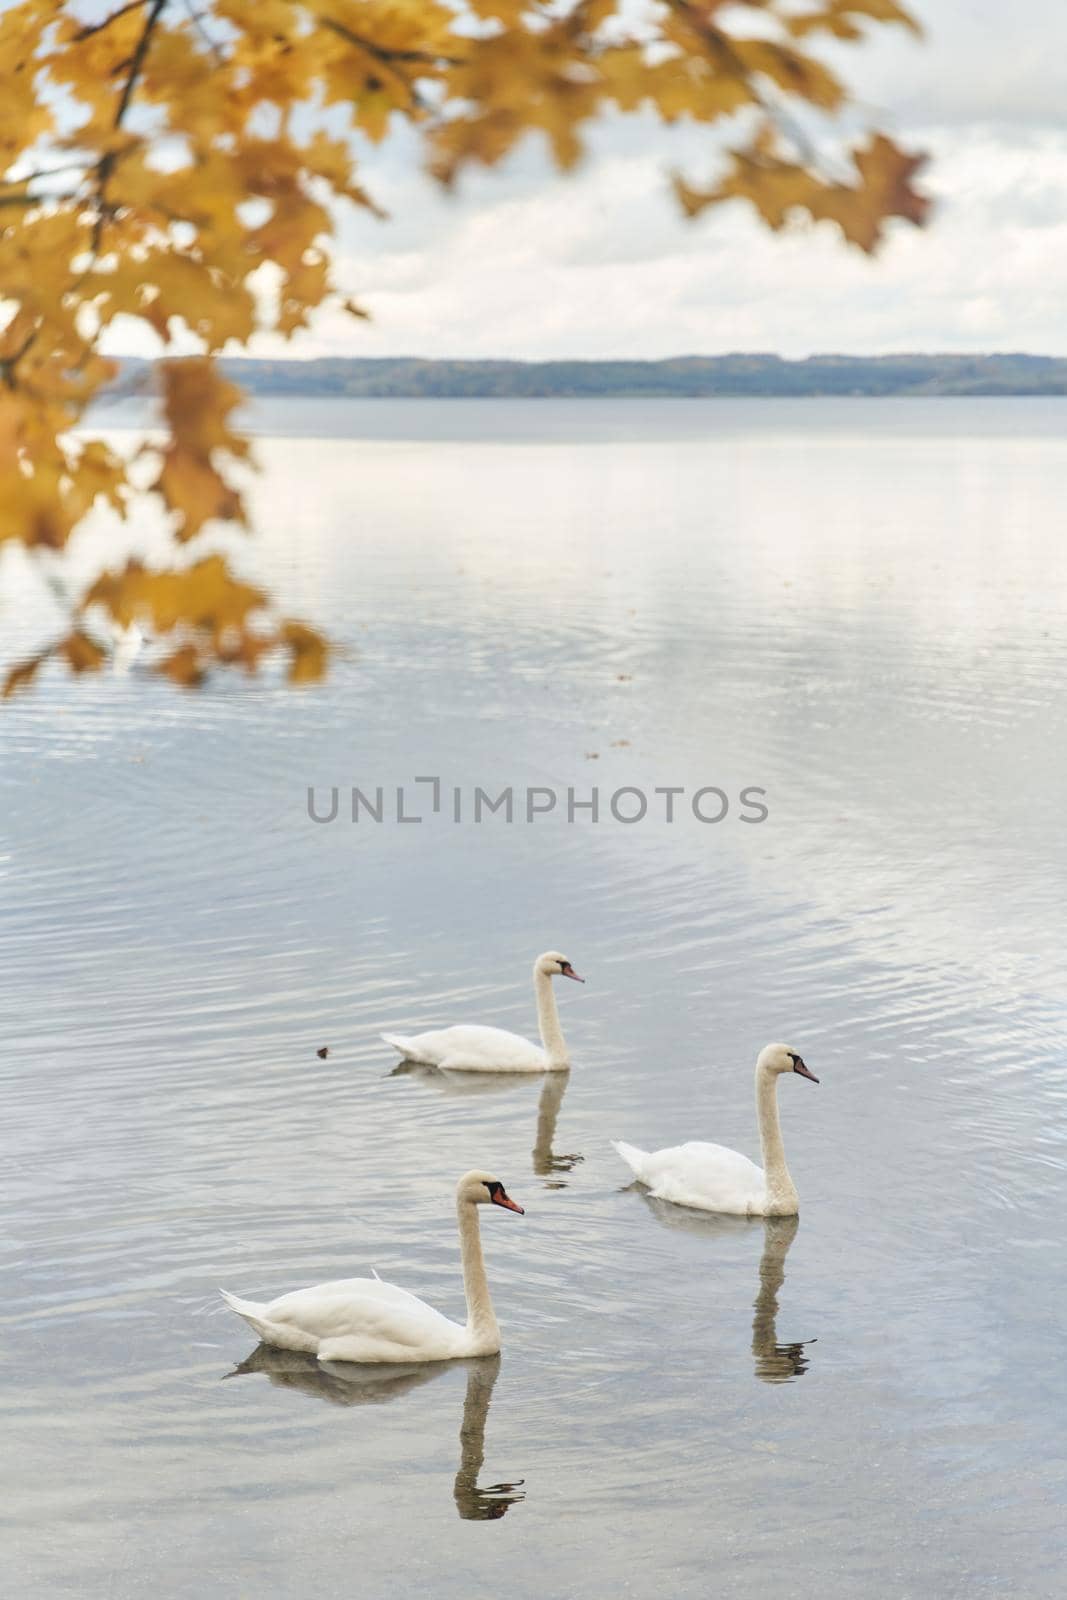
(376, 1320)
(478, 1049)
(707, 1176)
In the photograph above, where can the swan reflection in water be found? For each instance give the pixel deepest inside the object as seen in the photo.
(344, 1383)
(772, 1362)
(775, 1363)
(546, 1163)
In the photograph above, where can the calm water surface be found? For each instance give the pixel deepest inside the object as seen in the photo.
(856, 606)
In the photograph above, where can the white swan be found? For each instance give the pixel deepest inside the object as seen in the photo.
(474, 1049)
(712, 1178)
(364, 1319)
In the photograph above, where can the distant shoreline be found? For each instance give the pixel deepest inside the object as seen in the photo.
(686, 377)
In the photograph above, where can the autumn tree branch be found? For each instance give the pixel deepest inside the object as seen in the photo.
(386, 54)
(106, 165)
(137, 62)
(98, 27)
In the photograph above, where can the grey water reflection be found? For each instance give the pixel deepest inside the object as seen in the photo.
(342, 1383)
(457, 1083)
(773, 1362)
(859, 606)
(547, 1162)
(474, 1503)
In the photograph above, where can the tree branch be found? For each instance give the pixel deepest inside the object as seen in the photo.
(721, 46)
(106, 165)
(387, 57)
(98, 27)
(198, 23)
(138, 59)
(34, 199)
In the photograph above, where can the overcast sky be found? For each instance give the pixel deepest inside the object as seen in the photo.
(525, 263)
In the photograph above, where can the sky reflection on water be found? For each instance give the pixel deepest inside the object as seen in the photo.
(859, 608)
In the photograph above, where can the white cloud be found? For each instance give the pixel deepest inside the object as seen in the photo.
(979, 61)
(603, 266)
(524, 263)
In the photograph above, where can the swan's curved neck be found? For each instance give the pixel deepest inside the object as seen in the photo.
(481, 1322)
(781, 1191)
(548, 1019)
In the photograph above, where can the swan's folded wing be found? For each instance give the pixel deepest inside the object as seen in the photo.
(488, 1047)
(375, 1310)
(708, 1176)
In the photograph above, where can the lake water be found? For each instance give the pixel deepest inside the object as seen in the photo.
(857, 607)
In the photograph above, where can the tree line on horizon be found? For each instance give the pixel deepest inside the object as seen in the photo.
(692, 377)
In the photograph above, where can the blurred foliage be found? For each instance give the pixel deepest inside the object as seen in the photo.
(182, 162)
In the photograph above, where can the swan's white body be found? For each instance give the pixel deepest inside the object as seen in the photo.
(707, 1176)
(473, 1049)
(356, 1319)
(477, 1049)
(365, 1319)
(710, 1177)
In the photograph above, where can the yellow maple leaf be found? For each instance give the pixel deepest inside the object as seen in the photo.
(21, 675)
(197, 402)
(308, 652)
(839, 18)
(81, 653)
(781, 189)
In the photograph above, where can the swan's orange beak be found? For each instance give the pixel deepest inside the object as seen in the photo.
(799, 1066)
(505, 1200)
(569, 972)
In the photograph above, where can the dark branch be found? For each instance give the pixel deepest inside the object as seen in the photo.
(98, 27)
(30, 200)
(720, 47)
(138, 60)
(106, 165)
(43, 172)
(389, 58)
(198, 23)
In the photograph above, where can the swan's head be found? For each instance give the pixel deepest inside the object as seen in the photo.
(482, 1189)
(776, 1058)
(553, 965)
